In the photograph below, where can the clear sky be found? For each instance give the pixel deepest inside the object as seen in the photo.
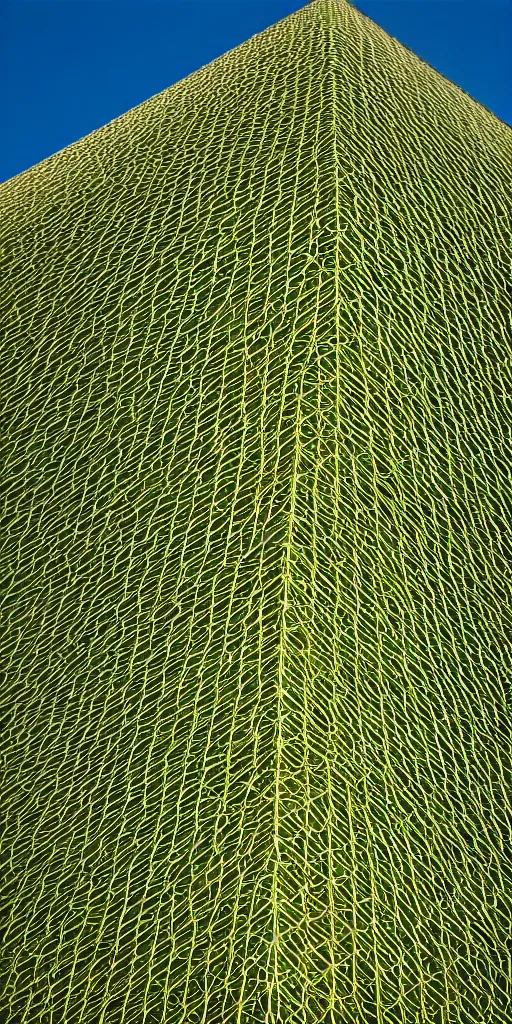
(70, 66)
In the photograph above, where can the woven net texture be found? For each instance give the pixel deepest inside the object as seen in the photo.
(257, 550)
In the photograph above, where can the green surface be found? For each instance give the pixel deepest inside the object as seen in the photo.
(257, 550)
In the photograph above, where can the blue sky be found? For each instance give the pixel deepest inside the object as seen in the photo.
(70, 66)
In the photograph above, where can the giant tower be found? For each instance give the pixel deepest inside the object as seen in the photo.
(257, 558)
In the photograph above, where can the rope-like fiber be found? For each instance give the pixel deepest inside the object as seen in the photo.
(256, 550)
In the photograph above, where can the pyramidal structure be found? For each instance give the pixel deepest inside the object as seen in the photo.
(257, 550)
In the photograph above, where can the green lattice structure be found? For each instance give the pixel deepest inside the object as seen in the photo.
(257, 550)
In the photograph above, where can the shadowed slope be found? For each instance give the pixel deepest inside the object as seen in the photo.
(257, 548)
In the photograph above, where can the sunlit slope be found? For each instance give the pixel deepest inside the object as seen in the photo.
(257, 550)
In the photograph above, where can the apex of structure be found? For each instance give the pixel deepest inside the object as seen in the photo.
(330, 7)
(329, 11)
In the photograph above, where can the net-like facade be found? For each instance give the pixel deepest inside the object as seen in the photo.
(257, 550)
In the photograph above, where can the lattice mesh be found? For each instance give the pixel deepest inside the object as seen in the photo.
(257, 550)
